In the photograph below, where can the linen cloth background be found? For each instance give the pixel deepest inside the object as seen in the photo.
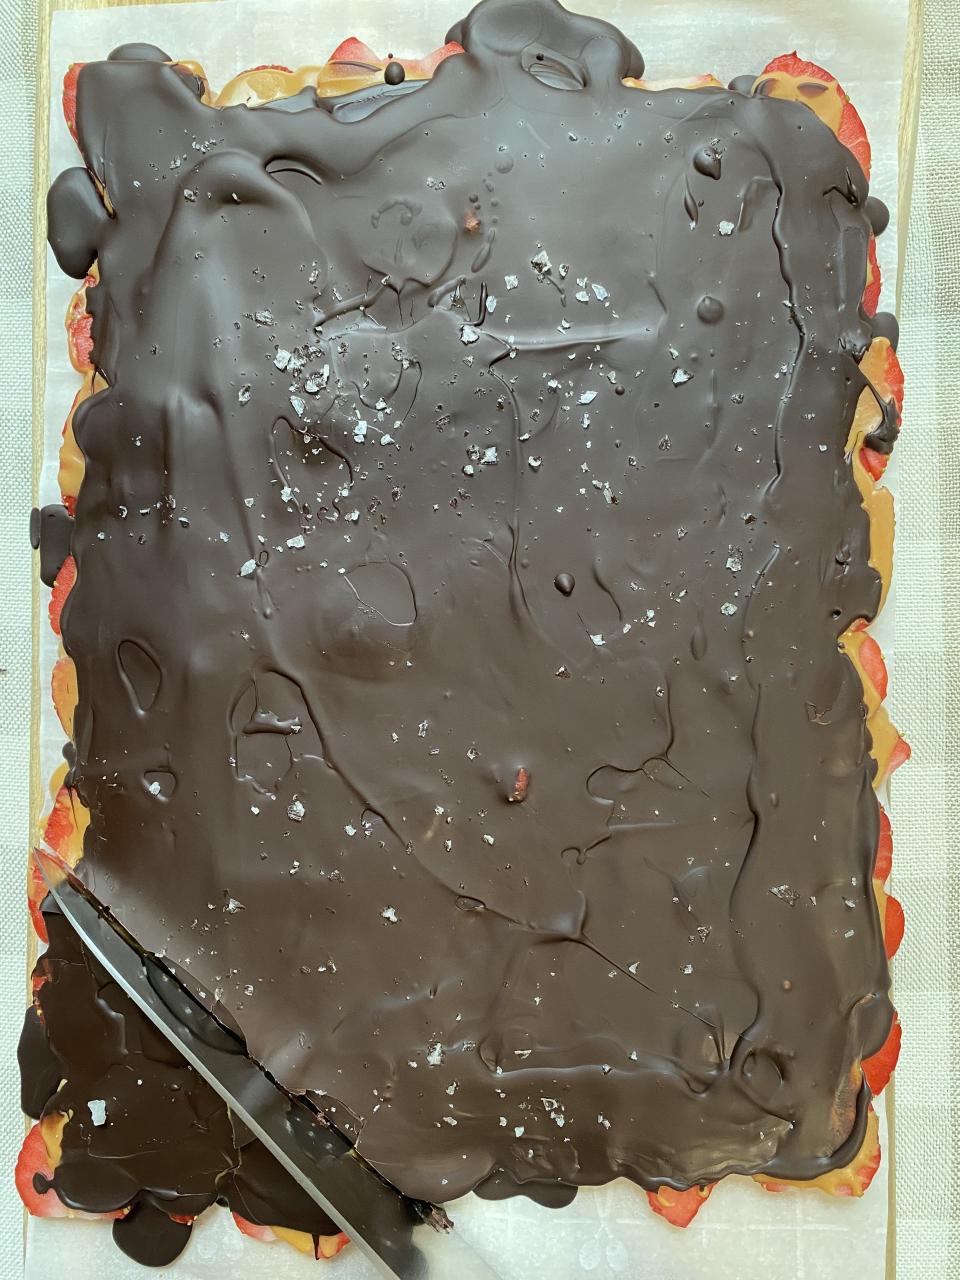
(925, 675)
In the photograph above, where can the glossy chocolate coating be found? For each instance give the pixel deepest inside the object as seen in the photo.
(377, 387)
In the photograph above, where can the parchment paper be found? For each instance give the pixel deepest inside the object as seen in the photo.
(742, 1233)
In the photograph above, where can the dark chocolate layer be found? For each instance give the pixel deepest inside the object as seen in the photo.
(145, 1130)
(464, 540)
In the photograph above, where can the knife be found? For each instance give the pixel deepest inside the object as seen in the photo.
(406, 1239)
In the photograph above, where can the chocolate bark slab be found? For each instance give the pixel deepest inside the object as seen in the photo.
(568, 568)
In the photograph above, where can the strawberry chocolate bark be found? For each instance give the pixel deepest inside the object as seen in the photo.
(475, 530)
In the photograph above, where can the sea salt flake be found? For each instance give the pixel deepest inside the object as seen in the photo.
(264, 317)
(728, 609)
(232, 906)
(588, 397)
(98, 1111)
(282, 358)
(390, 913)
(296, 810)
(469, 334)
(298, 406)
(488, 839)
(244, 394)
(296, 542)
(541, 261)
(599, 292)
(512, 282)
(491, 302)
(681, 376)
(360, 431)
(247, 568)
(598, 640)
(726, 228)
(435, 1055)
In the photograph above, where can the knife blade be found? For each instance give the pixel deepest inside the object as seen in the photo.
(406, 1239)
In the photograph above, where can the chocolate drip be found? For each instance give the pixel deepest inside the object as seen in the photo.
(51, 529)
(150, 1236)
(379, 387)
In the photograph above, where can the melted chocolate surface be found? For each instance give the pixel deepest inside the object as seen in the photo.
(463, 544)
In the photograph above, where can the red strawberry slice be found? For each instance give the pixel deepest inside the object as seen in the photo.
(893, 926)
(61, 589)
(847, 124)
(329, 1246)
(795, 66)
(900, 754)
(59, 826)
(354, 50)
(873, 665)
(65, 826)
(63, 688)
(878, 1068)
(881, 868)
(69, 98)
(253, 1230)
(893, 373)
(853, 134)
(678, 1207)
(33, 1162)
(875, 463)
(36, 892)
(80, 328)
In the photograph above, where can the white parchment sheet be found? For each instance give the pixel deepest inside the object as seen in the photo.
(742, 1233)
